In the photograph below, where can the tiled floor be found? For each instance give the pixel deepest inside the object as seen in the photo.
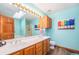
(59, 51)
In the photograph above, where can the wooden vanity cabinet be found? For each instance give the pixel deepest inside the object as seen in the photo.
(39, 48)
(18, 53)
(46, 45)
(29, 50)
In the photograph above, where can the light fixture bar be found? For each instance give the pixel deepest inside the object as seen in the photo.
(24, 8)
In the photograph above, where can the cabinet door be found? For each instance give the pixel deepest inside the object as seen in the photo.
(45, 25)
(40, 25)
(46, 44)
(0, 27)
(11, 25)
(30, 50)
(7, 27)
(50, 23)
(47, 22)
(39, 48)
(18, 53)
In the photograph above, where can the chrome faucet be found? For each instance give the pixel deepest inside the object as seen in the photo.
(2, 42)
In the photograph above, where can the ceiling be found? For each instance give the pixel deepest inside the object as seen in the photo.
(49, 8)
(46, 8)
(10, 10)
(7, 9)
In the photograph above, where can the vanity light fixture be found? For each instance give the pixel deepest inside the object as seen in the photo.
(34, 14)
(31, 12)
(24, 8)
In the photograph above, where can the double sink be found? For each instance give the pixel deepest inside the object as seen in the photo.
(21, 41)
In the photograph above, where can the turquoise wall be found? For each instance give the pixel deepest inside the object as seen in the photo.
(17, 27)
(20, 27)
(65, 38)
(23, 27)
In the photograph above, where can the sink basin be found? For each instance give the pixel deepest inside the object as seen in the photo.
(23, 40)
(26, 41)
(15, 42)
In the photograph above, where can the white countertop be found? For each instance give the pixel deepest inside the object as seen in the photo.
(16, 44)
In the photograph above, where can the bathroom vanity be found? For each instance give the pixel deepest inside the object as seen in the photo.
(33, 45)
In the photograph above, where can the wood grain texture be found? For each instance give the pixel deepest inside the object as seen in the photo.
(6, 27)
(30, 50)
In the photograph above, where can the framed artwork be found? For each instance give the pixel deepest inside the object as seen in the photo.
(66, 24)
